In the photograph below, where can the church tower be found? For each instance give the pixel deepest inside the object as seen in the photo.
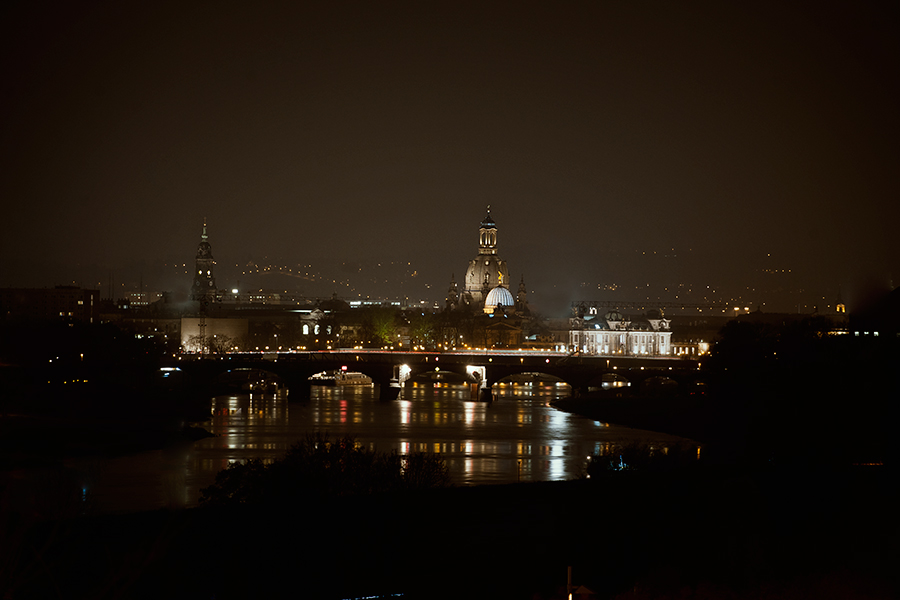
(839, 306)
(204, 288)
(522, 298)
(453, 294)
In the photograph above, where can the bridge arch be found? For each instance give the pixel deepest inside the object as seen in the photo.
(443, 373)
(530, 377)
(659, 385)
(611, 380)
(580, 373)
(248, 379)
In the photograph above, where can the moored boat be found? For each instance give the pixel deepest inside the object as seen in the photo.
(340, 378)
(323, 378)
(351, 378)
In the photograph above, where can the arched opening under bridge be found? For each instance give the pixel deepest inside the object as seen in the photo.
(247, 379)
(659, 385)
(531, 384)
(610, 383)
(438, 375)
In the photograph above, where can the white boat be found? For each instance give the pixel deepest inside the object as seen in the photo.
(351, 378)
(340, 378)
(323, 378)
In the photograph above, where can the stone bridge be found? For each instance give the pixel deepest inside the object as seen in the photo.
(484, 368)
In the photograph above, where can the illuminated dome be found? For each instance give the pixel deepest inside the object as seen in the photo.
(499, 296)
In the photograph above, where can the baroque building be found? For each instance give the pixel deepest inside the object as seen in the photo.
(487, 270)
(203, 289)
(486, 284)
(614, 334)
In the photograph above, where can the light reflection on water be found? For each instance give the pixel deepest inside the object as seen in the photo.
(516, 437)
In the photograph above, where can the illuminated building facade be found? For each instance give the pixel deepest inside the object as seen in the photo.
(203, 334)
(614, 334)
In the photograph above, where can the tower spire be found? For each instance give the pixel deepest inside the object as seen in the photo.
(204, 287)
(522, 297)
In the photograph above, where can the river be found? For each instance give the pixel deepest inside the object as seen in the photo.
(518, 437)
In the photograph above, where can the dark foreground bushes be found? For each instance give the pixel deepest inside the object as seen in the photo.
(644, 457)
(318, 468)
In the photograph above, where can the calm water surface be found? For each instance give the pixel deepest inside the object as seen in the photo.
(516, 437)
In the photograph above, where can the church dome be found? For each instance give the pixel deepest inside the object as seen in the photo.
(499, 296)
(486, 270)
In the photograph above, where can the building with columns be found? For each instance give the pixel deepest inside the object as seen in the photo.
(614, 334)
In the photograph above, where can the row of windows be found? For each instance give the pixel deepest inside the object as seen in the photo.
(315, 329)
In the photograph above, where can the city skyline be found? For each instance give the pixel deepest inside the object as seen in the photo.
(625, 150)
(654, 282)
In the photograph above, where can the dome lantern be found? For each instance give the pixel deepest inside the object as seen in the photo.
(487, 235)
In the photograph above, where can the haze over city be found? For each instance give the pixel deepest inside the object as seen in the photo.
(692, 152)
(525, 300)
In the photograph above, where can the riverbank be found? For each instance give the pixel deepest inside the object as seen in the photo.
(696, 533)
(690, 417)
(738, 427)
(29, 441)
(41, 426)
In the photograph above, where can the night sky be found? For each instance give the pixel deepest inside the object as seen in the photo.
(628, 150)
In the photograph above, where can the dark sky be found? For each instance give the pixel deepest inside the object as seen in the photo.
(730, 138)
